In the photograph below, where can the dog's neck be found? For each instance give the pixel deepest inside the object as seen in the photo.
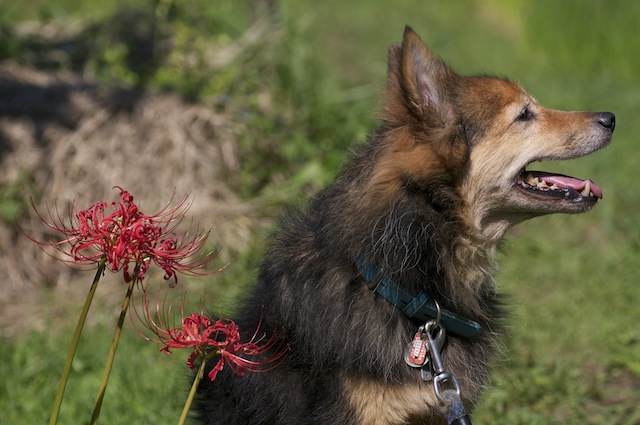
(424, 251)
(419, 307)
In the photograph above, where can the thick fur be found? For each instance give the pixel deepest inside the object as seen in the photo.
(428, 198)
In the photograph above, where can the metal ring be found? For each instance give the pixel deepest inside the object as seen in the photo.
(439, 314)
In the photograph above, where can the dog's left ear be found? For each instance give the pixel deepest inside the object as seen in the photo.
(416, 84)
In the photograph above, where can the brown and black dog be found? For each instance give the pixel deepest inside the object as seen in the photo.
(427, 201)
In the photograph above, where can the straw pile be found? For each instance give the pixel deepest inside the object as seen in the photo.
(65, 138)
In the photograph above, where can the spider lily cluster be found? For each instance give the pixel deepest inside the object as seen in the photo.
(118, 237)
(211, 338)
(124, 236)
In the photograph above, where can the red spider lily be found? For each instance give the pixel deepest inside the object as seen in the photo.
(214, 338)
(125, 235)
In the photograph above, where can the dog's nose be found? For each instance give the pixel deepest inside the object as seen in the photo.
(607, 120)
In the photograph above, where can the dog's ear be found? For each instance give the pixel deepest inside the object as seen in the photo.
(416, 85)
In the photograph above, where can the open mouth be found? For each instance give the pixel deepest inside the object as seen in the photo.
(558, 186)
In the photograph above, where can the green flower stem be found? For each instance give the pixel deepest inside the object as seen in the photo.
(112, 351)
(192, 393)
(74, 344)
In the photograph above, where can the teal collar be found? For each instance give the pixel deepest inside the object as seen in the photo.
(414, 307)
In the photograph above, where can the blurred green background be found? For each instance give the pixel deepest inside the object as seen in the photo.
(573, 353)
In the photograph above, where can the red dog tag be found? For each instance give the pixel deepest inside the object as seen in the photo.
(417, 353)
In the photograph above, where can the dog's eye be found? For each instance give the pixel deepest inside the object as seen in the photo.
(525, 114)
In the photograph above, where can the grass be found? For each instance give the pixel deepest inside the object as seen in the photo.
(147, 387)
(572, 355)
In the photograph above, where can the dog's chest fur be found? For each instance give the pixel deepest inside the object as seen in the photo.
(376, 403)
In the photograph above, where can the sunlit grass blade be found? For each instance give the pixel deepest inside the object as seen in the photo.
(74, 344)
(192, 393)
(112, 351)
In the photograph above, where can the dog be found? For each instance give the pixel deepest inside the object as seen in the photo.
(419, 209)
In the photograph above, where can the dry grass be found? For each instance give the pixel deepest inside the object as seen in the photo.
(67, 138)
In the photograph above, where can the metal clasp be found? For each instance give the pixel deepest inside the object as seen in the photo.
(436, 370)
(436, 336)
(444, 377)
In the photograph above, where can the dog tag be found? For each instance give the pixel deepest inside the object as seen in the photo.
(415, 355)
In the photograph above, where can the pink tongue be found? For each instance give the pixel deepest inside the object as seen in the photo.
(568, 182)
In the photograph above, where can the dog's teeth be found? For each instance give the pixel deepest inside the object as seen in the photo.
(543, 184)
(587, 189)
(532, 181)
(554, 187)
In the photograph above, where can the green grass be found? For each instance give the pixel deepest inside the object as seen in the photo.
(573, 353)
(147, 387)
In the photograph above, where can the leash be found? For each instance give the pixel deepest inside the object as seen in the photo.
(424, 351)
(456, 414)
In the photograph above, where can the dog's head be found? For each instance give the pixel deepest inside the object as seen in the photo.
(476, 136)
